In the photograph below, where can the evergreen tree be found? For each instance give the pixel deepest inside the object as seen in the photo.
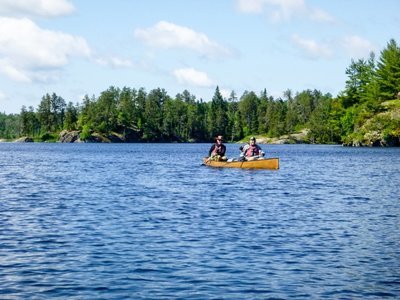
(388, 71)
(71, 117)
(24, 121)
(292, 118)
(30, 125)
(106, 110)
(45, 114)
(360, 75)
(305, 101)
(140, 107)
(153, 114)
(218, 118)
(186, 97)
(233, 106)
(262, 112)
(370, 96)
(248, 108)
(126, 108)
(200, 129)
(87, 116)
(323, 124)
(10, 126)
(58, 106)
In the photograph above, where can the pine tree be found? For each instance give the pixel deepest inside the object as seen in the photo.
(388, 71)
(248, 108)
(218, 119)
(45, 114)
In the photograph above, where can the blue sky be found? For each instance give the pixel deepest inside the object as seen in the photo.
(74, 48)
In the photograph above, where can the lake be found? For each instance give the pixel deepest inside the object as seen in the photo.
(149, 221)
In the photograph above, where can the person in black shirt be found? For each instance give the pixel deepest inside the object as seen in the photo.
(217, 150)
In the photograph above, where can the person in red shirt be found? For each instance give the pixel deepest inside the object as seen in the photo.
(251, 150)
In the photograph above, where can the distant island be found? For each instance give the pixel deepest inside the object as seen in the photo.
(365, 113)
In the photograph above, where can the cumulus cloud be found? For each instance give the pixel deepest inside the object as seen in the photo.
(357, 46)
(312, 48)
(29, 53)
(42, 8)
(283, 10)
(192, 77)
(168, 35)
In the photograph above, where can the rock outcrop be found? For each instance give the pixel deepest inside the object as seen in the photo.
(295, 138)
(69, 136)
(73, 136)
(381, 130)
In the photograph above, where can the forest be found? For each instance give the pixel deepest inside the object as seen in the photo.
(366, 112)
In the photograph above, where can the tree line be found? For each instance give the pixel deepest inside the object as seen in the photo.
(155, 116)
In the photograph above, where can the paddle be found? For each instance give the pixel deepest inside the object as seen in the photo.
(206, 162)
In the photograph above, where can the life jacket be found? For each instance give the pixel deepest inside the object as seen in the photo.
(252, 151)
(218, 150)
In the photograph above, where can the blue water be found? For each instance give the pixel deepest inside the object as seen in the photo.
(148, 221)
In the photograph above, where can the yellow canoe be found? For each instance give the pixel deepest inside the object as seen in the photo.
(264, 163)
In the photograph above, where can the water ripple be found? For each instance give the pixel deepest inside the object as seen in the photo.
(95, 221)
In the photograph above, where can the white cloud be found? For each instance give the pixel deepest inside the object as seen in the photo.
(312, 48)
(168, 35)
(190, 76)
(29, 53)
(358, 47)
(42, 8)
(284, 10)
(251, 6)
(114, 62)
(320, 15)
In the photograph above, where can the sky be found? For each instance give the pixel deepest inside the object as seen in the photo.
(82, 47)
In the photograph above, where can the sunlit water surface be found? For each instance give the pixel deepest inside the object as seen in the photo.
(148, 221)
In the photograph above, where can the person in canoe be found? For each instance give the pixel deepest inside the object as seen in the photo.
(251, 150)
(217, 150)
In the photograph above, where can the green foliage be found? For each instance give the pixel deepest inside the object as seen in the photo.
(369, 84)
(10, 126)
(48, 137)
(388, 71)
(217, 115)
(106, 110)
(324, 125)
(71, 117)
(248, 109)
(51, 113)
(348, 121)
(85, 133)
(153, 114)
(360, 77)
(360, 114)
(157, 117)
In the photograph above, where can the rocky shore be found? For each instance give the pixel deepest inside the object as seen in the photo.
(295, 138)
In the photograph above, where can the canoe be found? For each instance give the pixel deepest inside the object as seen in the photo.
(265, 163)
